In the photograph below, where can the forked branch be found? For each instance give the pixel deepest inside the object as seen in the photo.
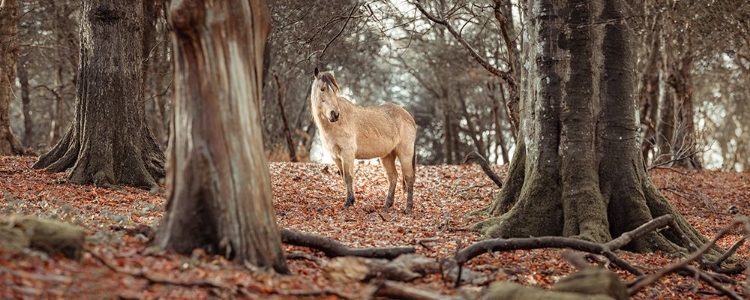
(475, 156)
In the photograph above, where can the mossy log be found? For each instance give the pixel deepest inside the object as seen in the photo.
(50, 236)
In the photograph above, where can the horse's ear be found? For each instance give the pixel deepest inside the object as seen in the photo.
(331, 71)
(317, 72)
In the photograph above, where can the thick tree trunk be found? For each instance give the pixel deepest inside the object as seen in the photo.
(109, 142)
(9, 144)
(582, 173)
(218, 181)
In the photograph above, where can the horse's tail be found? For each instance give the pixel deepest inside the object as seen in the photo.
(414, 155)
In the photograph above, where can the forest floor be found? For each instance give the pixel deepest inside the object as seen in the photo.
(309, 198)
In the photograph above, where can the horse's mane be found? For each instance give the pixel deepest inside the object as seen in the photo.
(328, 79)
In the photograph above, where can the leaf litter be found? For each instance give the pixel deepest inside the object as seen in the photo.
(309, 198)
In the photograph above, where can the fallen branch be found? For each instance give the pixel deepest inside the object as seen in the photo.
(332, 248)
(475, 156)
(395, 290)
(712, 282)
(716, 265)
(482, 247)
(683, 263)
(305, 256)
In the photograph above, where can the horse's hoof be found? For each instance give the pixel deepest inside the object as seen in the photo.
(349, 202)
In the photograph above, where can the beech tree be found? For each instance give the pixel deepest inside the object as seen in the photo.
(218, 180)
(9, 143)
(577, 170)
(109, 141)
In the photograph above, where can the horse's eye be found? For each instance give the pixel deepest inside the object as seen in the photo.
(322, 89)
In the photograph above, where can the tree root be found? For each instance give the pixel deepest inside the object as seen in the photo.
(475, 156)
(333, 248)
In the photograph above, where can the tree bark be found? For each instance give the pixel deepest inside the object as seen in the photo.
(497, 111)
(290, 144)
(649, 95)
(684, 148)
(9, 144)
(109, 142)
(666, 122)
(581, 174)
(28, 123)
(218, 182)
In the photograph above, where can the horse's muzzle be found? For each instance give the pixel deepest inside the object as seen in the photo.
(333, 116)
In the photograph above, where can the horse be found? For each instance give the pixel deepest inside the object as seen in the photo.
(349, 132)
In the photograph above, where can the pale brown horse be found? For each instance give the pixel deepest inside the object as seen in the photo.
(351, 132)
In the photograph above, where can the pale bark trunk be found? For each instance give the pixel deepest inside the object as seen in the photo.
(9, 144)
(649, 96)
(218, 180)
(109, 142)
(582, 175)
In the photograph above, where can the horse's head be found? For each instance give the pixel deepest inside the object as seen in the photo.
(325, 96)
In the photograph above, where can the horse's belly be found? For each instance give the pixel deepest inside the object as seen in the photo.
(369, 149)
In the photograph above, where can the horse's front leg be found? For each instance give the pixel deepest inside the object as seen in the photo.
(347, 171)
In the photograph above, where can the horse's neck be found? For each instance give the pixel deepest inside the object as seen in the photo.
(346, 104)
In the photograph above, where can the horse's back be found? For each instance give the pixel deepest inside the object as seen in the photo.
(381, 129)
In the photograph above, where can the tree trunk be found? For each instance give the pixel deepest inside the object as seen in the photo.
(290, 144)
(649, 95)
(28, 123)
(448, 135)
(9, 144)
(497, 111)
(684, 148)
(218, 180)
(109, 141)
(666, 122)
(582, 173)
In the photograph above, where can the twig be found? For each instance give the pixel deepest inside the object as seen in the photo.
(332, 248)
(305, 256)
(711, 281)
(340, 31)
(681, 264)
(505, 76)
(716, 265)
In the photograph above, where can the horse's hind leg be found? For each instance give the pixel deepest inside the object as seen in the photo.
(407, 169)
(389, 164)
